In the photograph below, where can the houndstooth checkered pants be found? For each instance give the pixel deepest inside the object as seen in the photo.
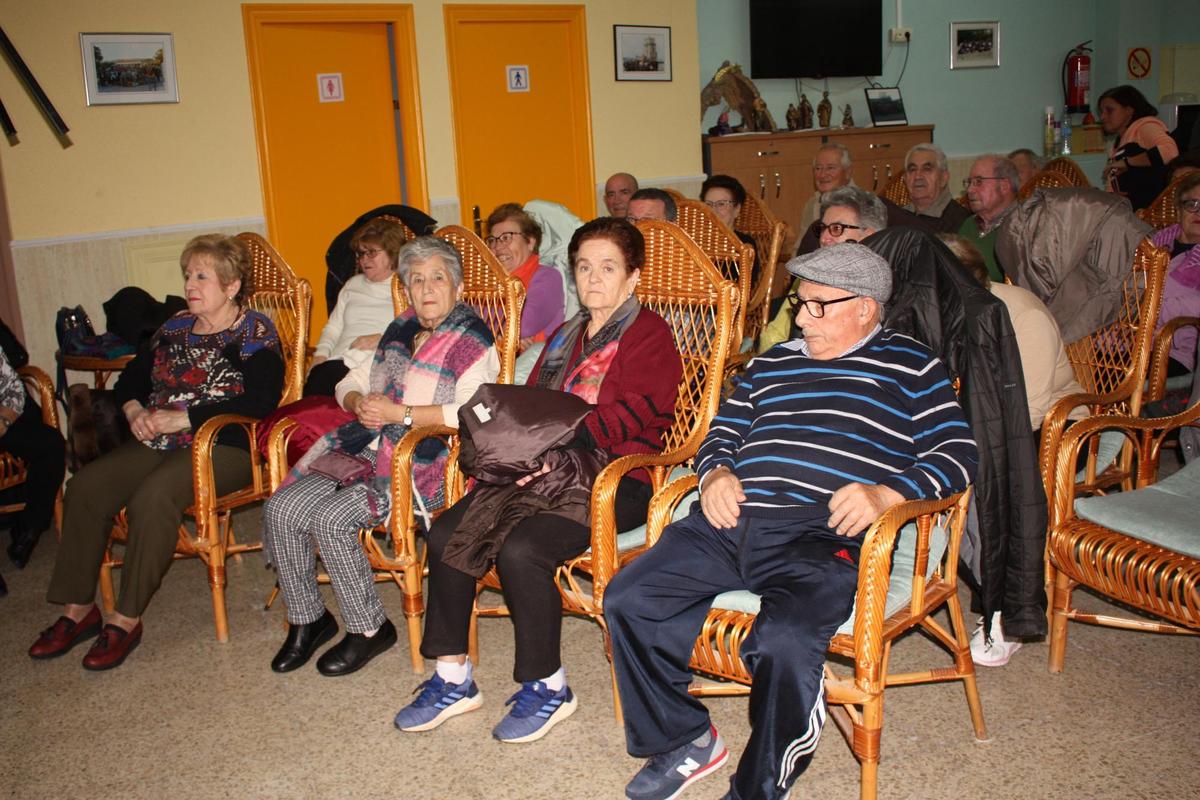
(310, 512)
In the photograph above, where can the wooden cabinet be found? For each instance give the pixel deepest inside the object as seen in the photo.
(777, 167)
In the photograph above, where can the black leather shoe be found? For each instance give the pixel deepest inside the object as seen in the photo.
(23, 542)
(354, 650)
(302, 641)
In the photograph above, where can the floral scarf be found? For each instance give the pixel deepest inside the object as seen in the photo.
(583, 378)
(429, 378)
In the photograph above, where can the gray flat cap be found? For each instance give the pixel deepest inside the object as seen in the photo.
(850, 266)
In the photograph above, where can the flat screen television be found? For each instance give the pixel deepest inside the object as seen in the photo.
(815, 38)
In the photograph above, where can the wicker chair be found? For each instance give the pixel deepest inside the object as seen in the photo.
(894, 597)
(680, 284)
(1043, 179)
(498, 298)
(287, 300)
(12, 469)
(1138, 548)
(1160, 355)
(896, 190)
(732, 257)
(1068, 169)
(768, 233)
(1163, 212)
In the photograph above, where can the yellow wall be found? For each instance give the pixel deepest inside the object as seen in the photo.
(134, 167)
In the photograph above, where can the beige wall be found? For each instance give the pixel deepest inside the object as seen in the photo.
(132, 170)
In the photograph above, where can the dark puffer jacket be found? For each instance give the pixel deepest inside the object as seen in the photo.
(936, 302)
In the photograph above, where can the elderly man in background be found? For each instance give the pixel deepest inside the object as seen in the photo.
(927, 177)
(617, 191)
(652, 204)
(991, 192)
(1027, 162)
(821, 437)
(832, 169)
(848, 214)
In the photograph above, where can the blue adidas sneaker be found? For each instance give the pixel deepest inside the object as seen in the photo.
(438, 701)
(535, 710)
(666, 775)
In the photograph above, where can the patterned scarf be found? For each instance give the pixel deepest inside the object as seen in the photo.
(583, 378)
(428, 378)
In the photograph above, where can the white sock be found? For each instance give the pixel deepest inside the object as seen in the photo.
(555, 682)
(454, 672)
(370, 633)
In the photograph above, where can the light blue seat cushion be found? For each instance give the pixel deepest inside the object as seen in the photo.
(1107, 450)
(899, 589)
(747, 345)
(1166, 514)
(525, 363)
(635, 538)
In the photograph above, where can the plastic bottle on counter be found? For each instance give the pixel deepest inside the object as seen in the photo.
(1048, 133)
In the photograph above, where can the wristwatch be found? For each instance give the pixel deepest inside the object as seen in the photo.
(408, 416)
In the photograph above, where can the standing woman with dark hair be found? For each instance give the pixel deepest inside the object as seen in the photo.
(1142, 147)
(621, 358)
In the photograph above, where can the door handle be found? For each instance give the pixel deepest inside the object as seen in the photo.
(879, 146)
(778, 185)
(762, 186)
(766, 153)
(874, 177)
(889, 170)
(478, 220)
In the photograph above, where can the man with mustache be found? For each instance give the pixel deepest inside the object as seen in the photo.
(927, 177)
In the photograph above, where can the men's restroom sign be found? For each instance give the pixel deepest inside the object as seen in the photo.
(329, 87)
(518, 78)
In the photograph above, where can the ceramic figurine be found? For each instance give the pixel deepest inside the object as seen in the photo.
(848, 118)
(806, 113)
(824, 110)
(793, 117)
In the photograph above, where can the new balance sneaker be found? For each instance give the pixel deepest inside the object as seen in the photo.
(666, 775)
(535, 710)
(438, 701)
(994, 651)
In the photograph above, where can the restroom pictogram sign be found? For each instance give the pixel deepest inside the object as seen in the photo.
(329, 87)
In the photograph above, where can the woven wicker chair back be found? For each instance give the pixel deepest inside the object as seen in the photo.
(1068, 169)
(768, 233)
(896, 190)
(409, 233)
(732, 257)
(680, 283)
(1114, 359)
(1044, 179)
(1163, 212)
(287, 300)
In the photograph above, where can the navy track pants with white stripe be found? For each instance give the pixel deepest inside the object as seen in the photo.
(806, 576)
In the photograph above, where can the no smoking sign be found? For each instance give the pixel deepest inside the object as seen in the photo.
(1138, 63)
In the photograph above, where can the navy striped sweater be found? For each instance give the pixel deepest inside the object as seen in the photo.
(797, 429)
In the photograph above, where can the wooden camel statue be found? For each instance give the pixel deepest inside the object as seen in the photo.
(740, 94)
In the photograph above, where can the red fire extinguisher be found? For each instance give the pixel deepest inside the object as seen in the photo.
(1077, 78)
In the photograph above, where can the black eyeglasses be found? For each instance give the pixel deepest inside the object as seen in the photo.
(815, 308)
(503, 238)
(367, 253)
(835, 228)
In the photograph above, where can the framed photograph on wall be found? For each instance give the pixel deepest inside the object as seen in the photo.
(886, 106)
(642, 52)
(123, 68)
(974, 44)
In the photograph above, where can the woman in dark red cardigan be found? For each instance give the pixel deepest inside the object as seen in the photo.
(621, 358)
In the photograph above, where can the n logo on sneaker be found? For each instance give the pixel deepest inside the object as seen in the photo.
(689, 766)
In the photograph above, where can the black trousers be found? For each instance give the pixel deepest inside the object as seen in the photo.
(44, 452)
(806, 576)
(526, 567)
(324, 378)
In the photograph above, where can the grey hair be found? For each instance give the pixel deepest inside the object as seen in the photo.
(841, 148)
(871, 211)
(424, 248)
(926, 147)
(1003, 167)
(1037, 161)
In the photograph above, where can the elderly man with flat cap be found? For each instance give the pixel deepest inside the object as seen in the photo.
(822, 435)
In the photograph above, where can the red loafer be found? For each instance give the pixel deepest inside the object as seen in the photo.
(65, 634)
(111, 647)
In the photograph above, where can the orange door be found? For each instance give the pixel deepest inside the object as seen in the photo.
(526, 144)
(328, 146)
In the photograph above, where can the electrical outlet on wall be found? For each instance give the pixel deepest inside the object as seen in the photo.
(900, 35)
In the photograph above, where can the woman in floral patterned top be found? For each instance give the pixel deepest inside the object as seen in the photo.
(215, 358)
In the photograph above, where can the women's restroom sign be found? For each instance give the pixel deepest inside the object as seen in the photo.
(518, 78)
(329, 87)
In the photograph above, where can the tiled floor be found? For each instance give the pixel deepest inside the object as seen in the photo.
(187, 717)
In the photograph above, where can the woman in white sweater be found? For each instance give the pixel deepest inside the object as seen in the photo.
(363, 309)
